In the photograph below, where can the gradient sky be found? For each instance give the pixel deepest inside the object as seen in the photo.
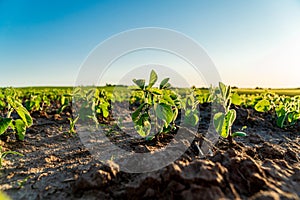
(252, 42)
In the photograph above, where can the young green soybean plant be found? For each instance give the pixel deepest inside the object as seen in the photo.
(159, 108)
(288, 112)
(165, 104)
(18, 126)
(190, 106)
(287, 109)
(224, 120)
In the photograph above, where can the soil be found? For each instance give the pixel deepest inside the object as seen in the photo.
(263, 165)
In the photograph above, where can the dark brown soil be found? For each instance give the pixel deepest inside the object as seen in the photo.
(263, 165)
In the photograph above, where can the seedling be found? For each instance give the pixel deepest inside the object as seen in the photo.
(72, 121)
(21, 183)
(224, 120)
(17, 125)
(3, 154)
(64, 102)
(263, 105)
(191, 116)
(85, 104)
(102, 103)
(288, 112)
(164, 102)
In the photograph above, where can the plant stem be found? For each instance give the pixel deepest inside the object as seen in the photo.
(230, 139)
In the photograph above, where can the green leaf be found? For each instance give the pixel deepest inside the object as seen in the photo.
(61, 109)
(23, 113)
(4, 124)
(236, 99)
(280, 121)
(62, 100)
(175, 113)
(191, 117)
(105, 112)
(168, 99)
(230, 117)
(4, 154)
(163, 83)
(223, 122)
(21, 129)
(104, 108)
(219, 119)
(137, 112)
(167, 85)
(140, 83)
(190, 100)
(239, 134)
(228, 93)
(29, 104)
(143, 127)
(156, 91)
(280, 111)
(141, 131)
(262, 106)
(153, 78)
(222, 88)
(164, 112)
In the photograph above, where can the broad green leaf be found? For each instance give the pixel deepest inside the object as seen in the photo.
(143, 128)
(190, 100)
(144, 117)
(140, 83)
(290, 117)
(2, 105)
(4, 124)
(164, 112)
(222, 88)
(239, 134)
(153, 78)
(167, 85)
(137, 112)
(163, 83)
(23, 113)
(224, 122)
(156, 91)
(262, 106)
(105, 112)
(62, 100)
(227, 124)
(104, 109)
(219, 119)
(280, 121)
(168, 99)
(230, 117)
(280, 111)
(191, 117)
(228, 92)
(297, 116)
(173, 95)
(236, 99)
(140, 130)
(21, 129)
(29, 104)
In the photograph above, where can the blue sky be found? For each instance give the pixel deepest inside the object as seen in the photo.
(252, 42)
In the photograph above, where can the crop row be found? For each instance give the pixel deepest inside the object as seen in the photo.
(16, 105)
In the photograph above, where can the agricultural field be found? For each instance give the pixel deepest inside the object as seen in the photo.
(256, 154)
